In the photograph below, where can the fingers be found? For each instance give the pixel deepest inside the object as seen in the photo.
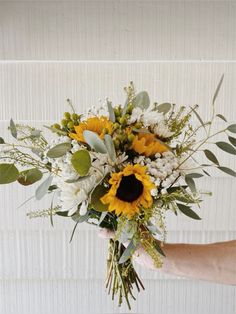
(106, 234)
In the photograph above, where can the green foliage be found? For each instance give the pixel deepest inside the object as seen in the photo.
(226, 147)
(8, 173)
(228, 171)
(13, 129)
(111, 111)
(30, 176)
(59, 150)
(97, 193)
(217, 90)
(110, 147)
(141, 100)
(43, 188)
(186, 210)
(81, 161)
(232, 128)
(209, 155)
(164, 108)
(94, 141)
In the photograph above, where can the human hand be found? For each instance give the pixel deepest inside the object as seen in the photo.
(140, 255)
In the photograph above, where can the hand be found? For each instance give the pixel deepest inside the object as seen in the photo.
(139, 256)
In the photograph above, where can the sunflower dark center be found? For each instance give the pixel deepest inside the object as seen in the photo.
(129, 189)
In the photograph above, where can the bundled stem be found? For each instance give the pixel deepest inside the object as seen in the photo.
(121, 278)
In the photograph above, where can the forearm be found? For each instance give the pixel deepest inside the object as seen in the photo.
(213, 262)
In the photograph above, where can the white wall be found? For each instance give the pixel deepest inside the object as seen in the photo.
(180, 49)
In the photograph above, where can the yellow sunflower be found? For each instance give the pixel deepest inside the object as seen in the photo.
(101, 126)
(148, 145)
(130, 190)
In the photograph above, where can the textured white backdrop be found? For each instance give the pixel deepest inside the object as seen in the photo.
(181, 48)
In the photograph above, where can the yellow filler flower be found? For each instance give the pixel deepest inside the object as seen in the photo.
(101, 126)
(130, 190)
(148, 145)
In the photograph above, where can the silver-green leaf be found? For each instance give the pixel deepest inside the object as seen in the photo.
(128, 252)
(186, 210)
(228, 171)
(217, 90)
(94, 141)
(42, 189)
(8, 173)
(81, 161)
(141, 100)
(191, 184)
(232, 128)
(209, 155)
(111, 111)
(164, 108)
(96, 203)
(232, 140)
(59, 150)
(226, 147)
(221, 117)
(110, 147)
(13, 129)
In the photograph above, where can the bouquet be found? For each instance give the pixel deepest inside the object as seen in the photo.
(120, 168)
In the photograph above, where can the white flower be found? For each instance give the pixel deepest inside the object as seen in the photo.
(151, 117)
(162, 130)
(136, 115)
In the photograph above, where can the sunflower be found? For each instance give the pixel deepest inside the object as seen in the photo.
(130, 190)
(101, 126)
(148, 144)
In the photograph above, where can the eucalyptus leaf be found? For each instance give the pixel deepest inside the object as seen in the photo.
(43, 188)
(128, 252)
(111, 111)
(158, 248)
(97, 193)
(164, 108)
(30, 176)
(198, 117)
(221, 117)
(232, 128)
(2, 140)
(94, 141)
(217, 90)
(8, 173)
(141, 100)
(59, 150)
(232, 140)
(194, 175)
(206, 173)
(13, 129)
(228, 171)
(110, 147)
(186, 210)
(226, 147)
(190, 182)
(81, 161)
(209, 155)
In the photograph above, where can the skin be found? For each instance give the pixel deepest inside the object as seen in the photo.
(214, 262)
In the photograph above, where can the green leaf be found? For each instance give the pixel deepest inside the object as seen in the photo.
(232, 140)
(94, 141)
(43, 188)
(2, 140)
(206, 172)
(190, 182)
(111, 111)
(128, 252)
(73, 231)
(164, 108)
(63, 213)
(13, 129)
(30, 176)
(226, 147)
(8, 173)
(59, 150)
(186, 210)
(81, 161)
(36, 133)
(221, 117)
(97, 193)
(194, 175)
(141, 100)
(198, 117)
(110, 147)
(232, 128)
(209, 155)
(228, 171)
(217, 90)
